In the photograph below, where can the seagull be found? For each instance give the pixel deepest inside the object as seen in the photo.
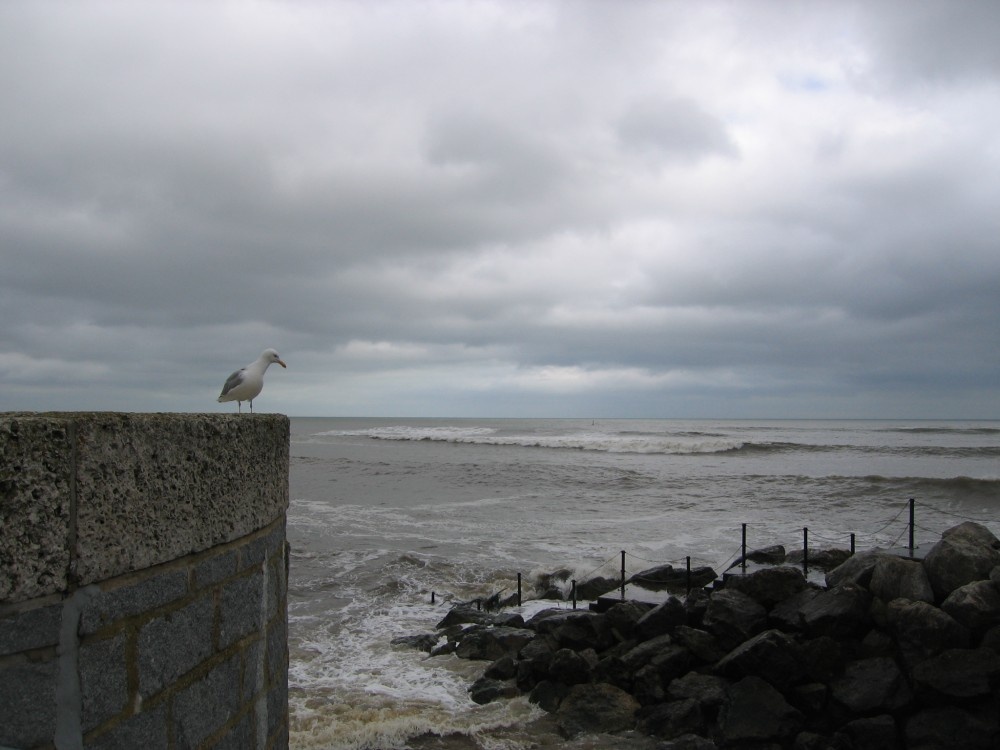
(246, 384)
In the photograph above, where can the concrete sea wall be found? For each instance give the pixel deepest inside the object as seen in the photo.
(143, 580)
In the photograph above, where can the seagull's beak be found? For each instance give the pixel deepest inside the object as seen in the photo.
(282, 363)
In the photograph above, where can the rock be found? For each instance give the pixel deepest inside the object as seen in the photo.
(733, 617)
(596, 707)
(463, 614)
(569, 667)
(486, 690)
(949, 727)
(787, 615)
(708, 690)
(814, 741)
(772, 555)
(623, 617)
(595, 587)
(504, 668)
(423, 642)
(661, 619)
(769, 586)
(771, 655)
(841, 612)
(873, 733)
(896, 578)
(756, 712)
(667, 577)
(975, 605)
(490, 644)
(671, 720)
(965, 553)
(820, 559)
(922, 630)
(700, 643)
(667, 658)
(688, 742)
(958, 673)
(857, 569)
(548, 695)
(875, 685)
(810, 698)
(824, 658)
(575, 629)
(647, 686)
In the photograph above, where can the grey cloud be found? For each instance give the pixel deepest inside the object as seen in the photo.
(674, 129)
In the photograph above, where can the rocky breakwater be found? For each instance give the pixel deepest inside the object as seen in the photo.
(891, 653)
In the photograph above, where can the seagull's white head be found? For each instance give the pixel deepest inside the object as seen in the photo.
(271, 357)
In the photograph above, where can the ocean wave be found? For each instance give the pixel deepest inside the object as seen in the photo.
(645, 443)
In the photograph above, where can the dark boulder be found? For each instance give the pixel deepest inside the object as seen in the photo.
(463, 614)
(570, 667)
(958, 673)
(548, 695)
(708, 690)
(772, 655)
(965, 553)
(787, 615)
(841, 612)
(819, 559)
(896, 578)
(922, 630)
(872, 733)
(486, 690)
(667, 577)
(424, 642)
(623, 618)
(975, 605)
(490, 644)
(595, 587)
(702, 644)
(769, 586)
(575, 629)
(596, 707)
(662, 619)
(857, 569)
(756, 712)
(950, 727)
(672, 720)
(871, 686)
(732, 616)
(504, 668)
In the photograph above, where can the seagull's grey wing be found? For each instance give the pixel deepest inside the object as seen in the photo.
(232, 381)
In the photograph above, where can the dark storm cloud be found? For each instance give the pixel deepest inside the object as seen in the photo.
(496, 208)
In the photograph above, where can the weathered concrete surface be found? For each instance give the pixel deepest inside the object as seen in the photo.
(88, 496)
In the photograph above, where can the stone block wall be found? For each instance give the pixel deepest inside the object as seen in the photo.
(143, 581)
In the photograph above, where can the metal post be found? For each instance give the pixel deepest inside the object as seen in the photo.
(911, 527)
(479, 604)
(852, 542)
(805, 550)
(574, 593)
(518, 589)
(623, 575)
(743, 558)
(432, 597)
(689, 574)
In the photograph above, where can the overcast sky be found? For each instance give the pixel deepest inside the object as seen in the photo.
(594, 209)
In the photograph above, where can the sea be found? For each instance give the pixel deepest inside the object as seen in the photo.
(394, 521)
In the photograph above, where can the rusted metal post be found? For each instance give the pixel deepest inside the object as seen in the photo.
(805, 551)
(688, 577)
(623, 575)
(574, 593)
(432, 597)
(852, 542)
(911, 526)
(743, 557)
(518, 589)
